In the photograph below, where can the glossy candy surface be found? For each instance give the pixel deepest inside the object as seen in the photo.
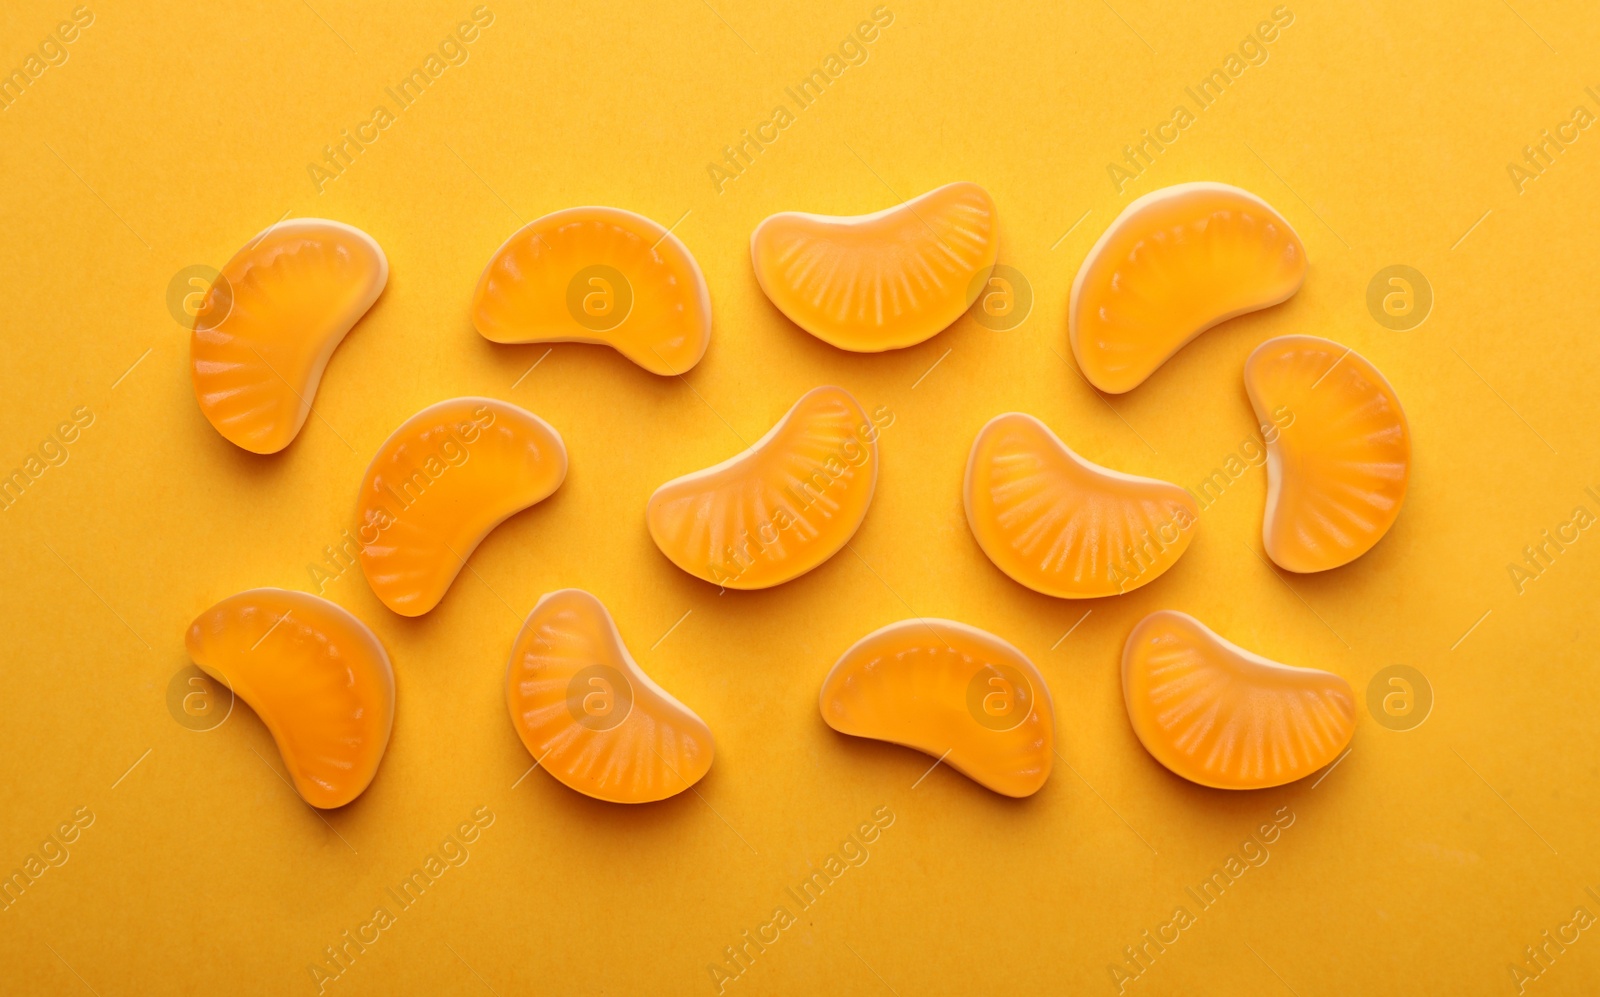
(780, 508)
(439, 484)
(590, 716)
(1218, 715)
(950, 691)
(268, 325)
(882, 281)
(598, 275)
(1338, 468)
(316, 676)
(1066, 527)
(1175, 263)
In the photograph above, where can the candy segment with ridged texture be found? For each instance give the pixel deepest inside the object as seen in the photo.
(439, 484)
(598, 275)
(314, 674)
(590, 716)
(1064, 526)
(266, 328)
(1338, 469)
(1223, 717)
(780, 508)
(883, 281)
(950, 691)
(1175, 263)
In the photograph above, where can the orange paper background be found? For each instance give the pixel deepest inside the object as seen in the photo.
(1426, 862)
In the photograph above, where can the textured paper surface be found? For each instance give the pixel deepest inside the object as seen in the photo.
(1427, 861)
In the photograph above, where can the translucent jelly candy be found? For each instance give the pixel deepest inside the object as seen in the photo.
(315, 675)
(1175, 263)
(1063, 526)
(598, 275)
(779, 509)
(1337, 468)
(882, 281)
(439, 484)
(589, 715)
(268, 325)
(950, 691)
(1220, 716)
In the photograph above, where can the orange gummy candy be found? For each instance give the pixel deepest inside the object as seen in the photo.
(1218, 715)
(598, 275)
(1338, 466)
(1175, 263)
(950, 691)
(439, 484)
(316, 676)
(590, 716)
(267, 326)
(780, 508)
(1064, 526)
(882, 281)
